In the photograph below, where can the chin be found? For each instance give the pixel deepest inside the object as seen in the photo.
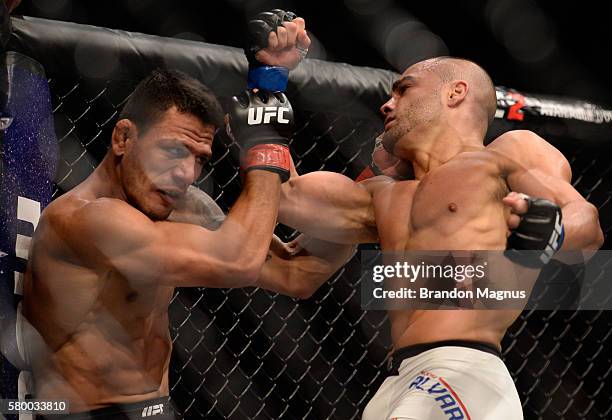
(159, 216)
(156, 211)
(389, 141)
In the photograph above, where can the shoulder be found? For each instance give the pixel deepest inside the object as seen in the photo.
(70, 205)
(106, 215)
(388, 190)
(515, 138)
(77, 220)
(378, 183)
(526, 144)
(526, 150)
(106, 209)
(80, 230)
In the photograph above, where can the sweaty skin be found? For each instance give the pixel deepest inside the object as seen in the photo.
(458, 201)
(105, 262)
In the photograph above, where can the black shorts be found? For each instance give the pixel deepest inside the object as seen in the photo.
(155, 409)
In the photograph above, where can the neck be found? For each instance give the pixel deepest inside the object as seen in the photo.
(105, 179)
(430, 152)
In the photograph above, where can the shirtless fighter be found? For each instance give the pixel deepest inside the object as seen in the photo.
(105, 260)
(446, 363)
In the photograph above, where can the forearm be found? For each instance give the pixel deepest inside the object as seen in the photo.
(229, 247)
(249, 225)
(304, 268)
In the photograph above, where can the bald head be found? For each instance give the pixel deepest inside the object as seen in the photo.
(481, 88)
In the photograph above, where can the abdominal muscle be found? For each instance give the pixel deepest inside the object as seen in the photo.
(94, 369)
(424, 326)
(477, 224)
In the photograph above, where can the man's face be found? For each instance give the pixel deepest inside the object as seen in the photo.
(159, 164)
(414, 106)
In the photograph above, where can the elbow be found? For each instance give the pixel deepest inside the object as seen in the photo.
(299, 284)
(302, 292)
(247, 272)
(596, 234)
(599, 241)
(241, 264)
(303, 285)
(286, 203)
(583, 231)
(238, 273)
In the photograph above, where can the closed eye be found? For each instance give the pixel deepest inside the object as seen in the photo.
(401, 89)
(400, 85)
(176, 151)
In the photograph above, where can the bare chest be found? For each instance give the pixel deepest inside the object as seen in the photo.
(131, 301)
(457, 205)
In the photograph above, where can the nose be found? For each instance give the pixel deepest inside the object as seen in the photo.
(388, 106)
(185, 171)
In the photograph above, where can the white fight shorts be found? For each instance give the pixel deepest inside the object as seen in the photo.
(448, 380)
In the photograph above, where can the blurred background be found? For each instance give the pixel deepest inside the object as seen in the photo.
(546, 47)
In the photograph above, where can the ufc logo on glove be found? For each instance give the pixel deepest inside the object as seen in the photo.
(256, 115)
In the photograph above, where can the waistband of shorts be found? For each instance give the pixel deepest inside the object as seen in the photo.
(398, 356)
(155, 409)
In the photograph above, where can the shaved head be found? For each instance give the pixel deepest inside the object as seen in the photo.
(481, 85)
(437, 97)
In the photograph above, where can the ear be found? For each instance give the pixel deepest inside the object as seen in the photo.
(124, 130)
(457, 92)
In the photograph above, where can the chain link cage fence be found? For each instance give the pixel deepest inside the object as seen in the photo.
(251, 354)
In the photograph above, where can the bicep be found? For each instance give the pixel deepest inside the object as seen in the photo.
(329, 206)
(120, 239)
(535, 167)
(539, 183)
(523, 150)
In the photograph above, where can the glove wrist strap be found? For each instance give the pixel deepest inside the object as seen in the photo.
(272, 78)
(269, 157)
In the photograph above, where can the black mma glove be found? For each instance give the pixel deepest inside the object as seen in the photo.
(262, 76)
(540, 229)
(262, 123)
